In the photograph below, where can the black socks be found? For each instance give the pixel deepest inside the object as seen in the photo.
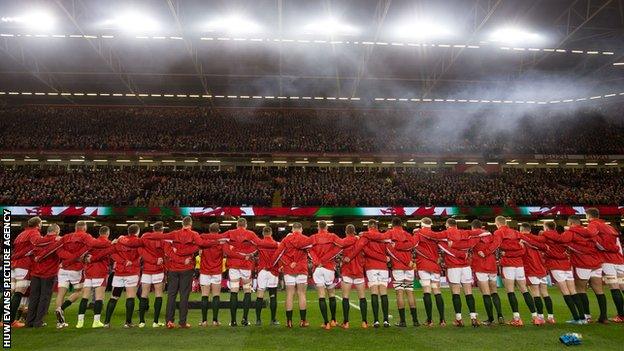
(215, 308)
(513, 302)
(384, 307)
(157, 306)
(143, 307)
(487, 302)
(375, 306)
(457, 305)
(204, 308)
(233, 306)
(528, 299)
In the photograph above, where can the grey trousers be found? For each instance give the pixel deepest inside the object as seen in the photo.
(178, 282)
(39, 300)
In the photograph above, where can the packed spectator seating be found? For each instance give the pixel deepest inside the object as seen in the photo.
(308, 186)
(323, 131)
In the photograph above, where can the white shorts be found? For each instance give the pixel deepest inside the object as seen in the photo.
(294, 279)
(585, 273)
(484, 277)
(537, 280)
(613, 273)
(377, 277)
(209, 279)
(611, 269)
(125, 282)
(19, 275)
(426, 278)
(403, 279)
(562, 276)
(236, 274)
(266, 280)
(350, 280)
(66, 277)
(324, 277)
(514, 273)
(459, 275)
(155, 278)
(94, 282)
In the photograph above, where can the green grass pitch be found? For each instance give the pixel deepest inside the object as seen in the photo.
(595, 337)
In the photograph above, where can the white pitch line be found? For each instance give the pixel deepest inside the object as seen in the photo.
(350, 303)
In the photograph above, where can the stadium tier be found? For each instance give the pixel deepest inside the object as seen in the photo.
(357, 132)
(309, 186)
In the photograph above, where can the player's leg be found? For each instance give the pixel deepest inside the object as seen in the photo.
(234, 275)
(425, 282)
(457, 304)
(484, 286)
(470, 301)
(568, 290)
(158, 301)
(543, 291)
(131, 293)
(19, 287)
(374, 289)
(331, 297)
(437, 293)
(247, 282)
(322, 301)
(262, 286)
(528, 299)
(361, 291)
(536, 296)
(596, 285)
(186, 285)
(290, 296)
(411, 300)
(614, 278)
(581, 292)
(33, 301)
(215, 288)
(319, 282)
(173, 281)
(100, 291)
(509, 283)
(399, 289)
(84, 302)
(346, 290)
(205, 295)
(302, 286)
(144, 300)
(112, 302)
(496, 299)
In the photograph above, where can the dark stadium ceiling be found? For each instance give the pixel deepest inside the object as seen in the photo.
(375, 60)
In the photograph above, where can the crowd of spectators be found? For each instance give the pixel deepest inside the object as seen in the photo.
(308, 187)
(314, 131)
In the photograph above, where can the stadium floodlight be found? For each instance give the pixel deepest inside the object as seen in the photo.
(234, 24)
(513, 35)
(134, 22)
(423, 30)
(330, 26)
(39, 20)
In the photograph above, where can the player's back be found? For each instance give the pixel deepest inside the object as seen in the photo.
(23, 244)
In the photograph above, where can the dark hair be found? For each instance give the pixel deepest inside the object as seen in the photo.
(267, 230)
(396, 222)
(159, 226)
(134, 229)
(297, 226)
(322, 225)
(350, 228)
(213, 227)
(475, 224)
(574, 219)
(592, 212)
(525, 226)
(451, 222)
(104, 230)
(34, 222)
(550, 225)
(187, 221)
(372, 223)
(241, 222)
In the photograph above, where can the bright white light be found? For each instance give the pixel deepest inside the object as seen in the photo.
(35, 20)
(234, 24)
(513, 35)
(424, 30)
(134, 22)
(330, 26)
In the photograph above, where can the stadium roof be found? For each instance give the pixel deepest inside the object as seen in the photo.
(529, 50)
